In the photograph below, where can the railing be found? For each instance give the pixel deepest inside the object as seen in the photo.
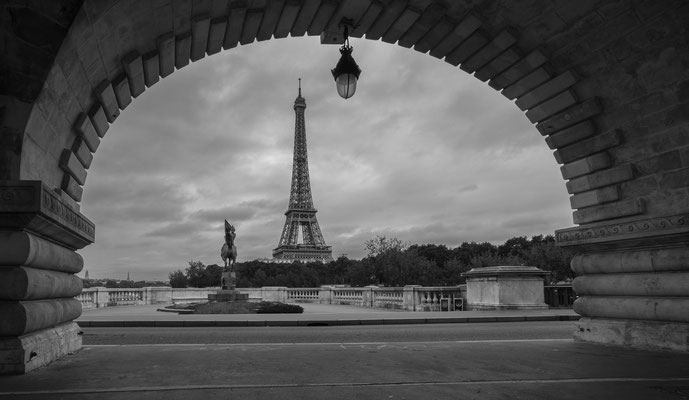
(438, 299)
(349, 296)
(559, 296)
(303, 295)
(410, 298)
(88, 300)
(124, 297)
(389, 298)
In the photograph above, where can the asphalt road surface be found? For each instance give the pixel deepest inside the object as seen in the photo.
(332, 334)
(486, 361)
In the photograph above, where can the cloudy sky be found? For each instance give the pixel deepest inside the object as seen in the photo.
(423, 152)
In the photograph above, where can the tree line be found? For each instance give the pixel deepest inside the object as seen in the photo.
(391, 262)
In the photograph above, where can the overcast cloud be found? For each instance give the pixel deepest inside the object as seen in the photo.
(423, 152)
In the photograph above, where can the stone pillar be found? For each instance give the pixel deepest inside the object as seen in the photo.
(367, 296)
(274, 293)
(158, 295)
(39, 233)
(410, 297)
(632, 281)
(505, 288)
(325, 295)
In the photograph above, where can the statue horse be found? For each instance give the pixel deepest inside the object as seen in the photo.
(228, 253)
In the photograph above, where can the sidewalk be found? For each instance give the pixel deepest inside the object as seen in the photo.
(314, 314)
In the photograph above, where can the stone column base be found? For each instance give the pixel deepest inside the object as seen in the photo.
(228, 295)
(19, 355)
(647, 335)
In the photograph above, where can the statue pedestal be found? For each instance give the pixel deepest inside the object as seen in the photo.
(505, 288)
(227, 295)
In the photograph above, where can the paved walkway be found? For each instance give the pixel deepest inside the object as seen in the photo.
(314, 314)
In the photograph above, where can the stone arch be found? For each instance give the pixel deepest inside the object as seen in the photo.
(493, 55)
(605, 83)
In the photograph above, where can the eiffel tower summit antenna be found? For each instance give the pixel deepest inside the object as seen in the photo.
(301, 214)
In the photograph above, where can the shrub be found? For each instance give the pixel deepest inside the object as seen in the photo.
(278, 308)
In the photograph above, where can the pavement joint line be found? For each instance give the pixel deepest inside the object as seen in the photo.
(346, 384)
(326, 343)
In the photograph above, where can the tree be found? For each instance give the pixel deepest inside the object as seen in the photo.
(439, 254)
(211, 275)
(178, 279)
(514, 246)
(195, 273)
(381, 244)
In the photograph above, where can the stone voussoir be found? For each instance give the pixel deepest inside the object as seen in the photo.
(599, 179)
(587, 147)
(618, 209)
(547, 90)
(70, 186)
(86, 130)
(580, 112)
(322, 17)
(235, 23)
(586, 165)
(200, 27)
(106, 95)
(552, 106)
(122, 93)
(429, 18)
(166, 54)
(460, 33)
(289, 15)
(519, 70)
(133, 67)
(71, 165)
(499, 44)
(528, 82)
(216, 35)
(401, 25)
(82, 151)
(467, 48)
(151, 66)
(182, 50)
(252, 22)
(595, 197)
(573, 134)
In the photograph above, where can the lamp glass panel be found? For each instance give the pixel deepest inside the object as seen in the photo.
(346, 85)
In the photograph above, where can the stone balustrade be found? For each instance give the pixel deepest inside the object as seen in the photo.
(410, 298)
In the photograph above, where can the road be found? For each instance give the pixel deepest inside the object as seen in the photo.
(331, 334)
(516, 360)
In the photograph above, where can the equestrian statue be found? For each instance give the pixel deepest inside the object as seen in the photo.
(228, 253)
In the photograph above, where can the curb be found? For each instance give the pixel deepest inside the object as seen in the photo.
(306, 322)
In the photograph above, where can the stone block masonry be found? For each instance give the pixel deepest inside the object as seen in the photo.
(38, 261)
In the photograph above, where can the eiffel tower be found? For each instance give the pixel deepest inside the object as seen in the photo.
(301, 215)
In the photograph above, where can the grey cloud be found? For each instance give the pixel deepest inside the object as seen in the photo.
(175, 230)
(242, 211)
(421, 153)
